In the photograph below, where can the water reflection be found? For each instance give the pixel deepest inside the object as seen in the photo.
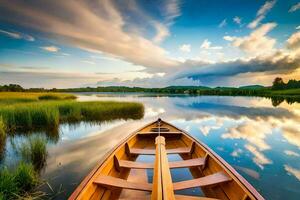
(260, 141)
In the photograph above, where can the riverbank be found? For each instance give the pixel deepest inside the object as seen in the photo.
(22, 112)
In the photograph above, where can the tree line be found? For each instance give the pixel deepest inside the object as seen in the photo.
(279, 84)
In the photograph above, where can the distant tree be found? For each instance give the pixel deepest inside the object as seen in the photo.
(278, 84)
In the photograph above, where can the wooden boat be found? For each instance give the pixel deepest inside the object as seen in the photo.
(120, 176)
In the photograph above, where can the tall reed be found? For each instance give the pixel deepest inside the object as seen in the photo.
(47, 115)
(34, 151)
(14, 184)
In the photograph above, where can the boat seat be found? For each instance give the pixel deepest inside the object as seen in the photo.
(186, 197)
(161, 129)
(138, 151)
(109, 181)
(195, 162)
(151, 133)
(213, 179)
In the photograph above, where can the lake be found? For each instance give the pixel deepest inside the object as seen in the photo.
(260, 141)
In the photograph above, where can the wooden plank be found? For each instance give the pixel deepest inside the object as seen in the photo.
(135, 165)
(162, 181)
(167, 184)
(157, 178)
(109, 181)
(162, 132)
(181, 150)
(185, 197)
(196, 162)
(213, 179)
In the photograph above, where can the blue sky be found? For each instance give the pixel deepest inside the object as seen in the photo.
(148, 43)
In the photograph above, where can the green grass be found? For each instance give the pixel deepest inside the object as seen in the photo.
(34, 151)
(289, 92)
(18, 182)
(8, 98)
(48, 114)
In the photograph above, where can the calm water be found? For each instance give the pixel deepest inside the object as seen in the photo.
(260, 141)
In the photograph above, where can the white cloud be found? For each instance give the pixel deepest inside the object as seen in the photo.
(185, 48)
(17, 35)
(293, 171)
(223, 23)
(259, 159)
(88, 62)
(237, 20)
(172, 10)
(295, 7)
(207, 45)
(236, 153)
(266, 7)
(50, 48)
(298, 27)
(255, 22)
(293, 41)
(291, 153)
(161, 32)
(257, 42)
(261, 13)
(255, 133)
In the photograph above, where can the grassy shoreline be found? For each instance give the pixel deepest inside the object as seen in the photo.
(20, 111)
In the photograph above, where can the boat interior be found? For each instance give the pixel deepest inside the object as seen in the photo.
(160, 161)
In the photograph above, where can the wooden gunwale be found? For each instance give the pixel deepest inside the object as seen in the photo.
(85, 181)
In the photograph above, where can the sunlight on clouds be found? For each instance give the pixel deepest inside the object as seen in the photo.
(292, 136)
(293, 171)
(50, 48)
(207, 45)
(101, 31)
(257, 42)
(259, 159)
(251, 131)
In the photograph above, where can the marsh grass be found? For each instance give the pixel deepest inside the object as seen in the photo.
(48, 114)
(34, 151)
(14, 184)
(9, 98)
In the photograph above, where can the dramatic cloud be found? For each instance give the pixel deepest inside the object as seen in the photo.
(99, 27)
(257, 42)
(237, 20)
(185, 48)
(223, 23)
(17, 35)
(50, 48)
(261, 13)
(295, 7)
(207, 45)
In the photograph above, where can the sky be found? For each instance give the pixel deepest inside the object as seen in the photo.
(148, 43)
